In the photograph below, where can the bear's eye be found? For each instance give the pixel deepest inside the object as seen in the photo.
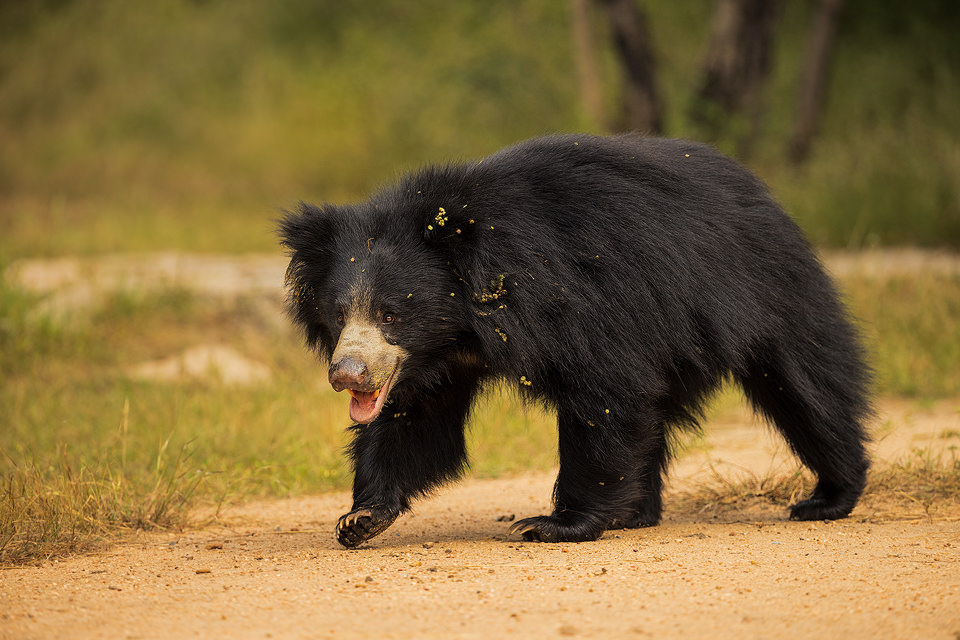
(340, 318)
(387, 318)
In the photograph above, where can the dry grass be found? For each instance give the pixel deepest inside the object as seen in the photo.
(748, 497)
(66, 507)
(920, 486)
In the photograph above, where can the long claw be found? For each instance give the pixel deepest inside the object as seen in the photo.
(554, 529)
(362, 524)
(531, 529)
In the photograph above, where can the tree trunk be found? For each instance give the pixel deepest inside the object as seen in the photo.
(585, 51)
(631, 37)
(813, 81)
(736, 67)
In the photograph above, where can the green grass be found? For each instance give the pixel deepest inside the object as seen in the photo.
(85, 450)
(912, 328)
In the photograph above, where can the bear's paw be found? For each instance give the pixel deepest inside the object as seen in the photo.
(553, 529)
(362, 524)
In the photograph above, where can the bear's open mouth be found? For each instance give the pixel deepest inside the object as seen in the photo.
(366, 405)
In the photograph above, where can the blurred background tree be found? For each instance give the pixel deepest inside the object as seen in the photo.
(642, 109)
(812, 95)
(736, 66)
(186, 123)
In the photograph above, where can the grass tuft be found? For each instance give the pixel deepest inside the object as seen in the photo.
(723, 497)
(923, 485)
(65, 505)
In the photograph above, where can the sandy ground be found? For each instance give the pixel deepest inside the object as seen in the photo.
(273, 569)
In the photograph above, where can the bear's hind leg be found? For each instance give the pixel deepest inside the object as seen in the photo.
(824, 428)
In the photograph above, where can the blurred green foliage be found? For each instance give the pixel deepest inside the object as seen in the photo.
(187, 123)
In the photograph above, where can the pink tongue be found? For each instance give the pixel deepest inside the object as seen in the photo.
(363, 406)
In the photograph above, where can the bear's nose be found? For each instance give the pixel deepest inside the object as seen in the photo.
(348, 373)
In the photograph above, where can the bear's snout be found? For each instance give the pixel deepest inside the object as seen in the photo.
(349, 373)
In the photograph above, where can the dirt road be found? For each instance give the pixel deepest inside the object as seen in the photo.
(273, 569)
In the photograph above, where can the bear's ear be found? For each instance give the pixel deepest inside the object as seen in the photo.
(308, 233)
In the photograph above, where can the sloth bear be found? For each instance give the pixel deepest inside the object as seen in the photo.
(619, 280)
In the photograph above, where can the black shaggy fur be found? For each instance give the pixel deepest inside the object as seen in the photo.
(620, 280)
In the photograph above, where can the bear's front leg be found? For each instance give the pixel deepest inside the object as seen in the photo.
(600, 480)
(408, 450)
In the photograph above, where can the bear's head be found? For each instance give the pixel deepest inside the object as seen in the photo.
(377, 290)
